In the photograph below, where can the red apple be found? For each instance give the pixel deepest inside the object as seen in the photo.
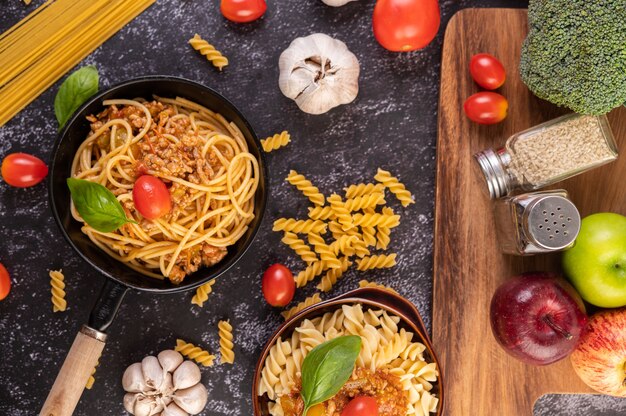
(537, 317)
(600, 357)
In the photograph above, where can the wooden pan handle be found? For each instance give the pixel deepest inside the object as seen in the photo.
(76, 369)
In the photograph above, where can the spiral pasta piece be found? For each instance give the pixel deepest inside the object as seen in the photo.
(327, 255)
(306, 187)
(299, 226)
(311, 272)
(364, 202)
(202, 293)
(395, 186)
(332, 275)
(343, 214)
(57, 284)
(369, 236)
(276, 141)
(225, 332)
(322, 213)
(301, 248)
(311, 300)
(194, 353)
(383, 233)
(207, 50)
(91, 378)
(379, 261)
(344, 245)
(365, 283)
(360, 248)
(376, 220)
(362, 189)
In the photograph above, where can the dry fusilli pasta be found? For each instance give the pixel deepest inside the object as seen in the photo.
(332, 275)
(206, 49)
(311, 272)
(383, 233)
(362, 189)
(276, 141)
(376, 262)
(225, 331)
(364, 202)
(194, 353)
(395, 186)
(306, 187)
(202, 293)
(365, 283)
(91, 378)
(299, 226)
(376, 220)
(322, 213)
(326, 253)
(301, 248)
(57, 284)
(343, 214)
(311, 300)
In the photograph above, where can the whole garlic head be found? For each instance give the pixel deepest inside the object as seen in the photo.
(336, 3)
(164, 386)
(318, 73)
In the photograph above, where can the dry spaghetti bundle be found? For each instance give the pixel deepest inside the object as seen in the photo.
(52, 39)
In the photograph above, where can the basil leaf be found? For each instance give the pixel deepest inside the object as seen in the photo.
(327, 367)
(97, 205)
(74, 91)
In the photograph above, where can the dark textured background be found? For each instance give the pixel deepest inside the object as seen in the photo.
(392, 124)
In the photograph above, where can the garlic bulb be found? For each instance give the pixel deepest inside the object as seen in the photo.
(165, 385)
(336, 3)
(318, 73)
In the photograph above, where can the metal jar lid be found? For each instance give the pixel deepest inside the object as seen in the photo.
(552, 222)
(495, 173)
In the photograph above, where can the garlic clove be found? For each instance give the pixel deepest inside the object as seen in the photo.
(186, 375)
(133, 380)
(170, 360)
(129, 402)
(167, 388)
(152, 372)
(173, 410)
(145, 406)
(193, 399)
(318, 73)
(336, 3)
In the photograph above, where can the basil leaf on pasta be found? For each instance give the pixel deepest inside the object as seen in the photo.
(327, 367)
(74, 91)
(97, 206)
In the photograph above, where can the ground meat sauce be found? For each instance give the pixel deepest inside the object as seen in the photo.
(382, 386)
(156, 155)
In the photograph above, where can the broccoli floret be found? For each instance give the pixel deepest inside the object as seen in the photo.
(575, 53)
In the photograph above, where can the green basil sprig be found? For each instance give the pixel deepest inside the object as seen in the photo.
(74, 91)
(327, 367)
(97, 205)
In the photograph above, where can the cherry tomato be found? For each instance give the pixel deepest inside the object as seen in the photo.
(486, 107)
(5, 282)
(278, 285)
(487, 71)
(405, 25)
(242, 11)
(23, 170)
(361, 406)
(151, 197)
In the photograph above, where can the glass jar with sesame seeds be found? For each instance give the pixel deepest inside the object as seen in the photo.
(548, 153)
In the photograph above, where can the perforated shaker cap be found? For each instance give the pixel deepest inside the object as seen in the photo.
(552, 222)
(496, 176)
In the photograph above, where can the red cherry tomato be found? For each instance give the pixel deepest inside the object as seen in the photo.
(242, 11)
(486, 107)
(405, 25)
(361, 406)
(487, 71)
(5, 282)
(151, 197)
(278, 285)
(22, 170)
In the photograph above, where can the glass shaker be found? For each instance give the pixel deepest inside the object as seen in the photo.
(539, 222)
(548, 153)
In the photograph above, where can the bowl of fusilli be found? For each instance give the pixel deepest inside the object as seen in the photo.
(397, 365)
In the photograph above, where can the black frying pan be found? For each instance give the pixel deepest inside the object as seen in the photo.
(89, 342)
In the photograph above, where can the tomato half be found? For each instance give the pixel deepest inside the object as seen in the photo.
(487, 71)
(5, 282)
(23, 170)
(278, 285)
(243, 11)
(361, 406)
(151, 197)
(405, 25)
(486, 107)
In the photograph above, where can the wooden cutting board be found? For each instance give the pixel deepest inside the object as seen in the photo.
(480, 378)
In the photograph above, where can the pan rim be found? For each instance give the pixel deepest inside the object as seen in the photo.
(138, 80)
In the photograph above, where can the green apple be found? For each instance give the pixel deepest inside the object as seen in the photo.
(596, 265)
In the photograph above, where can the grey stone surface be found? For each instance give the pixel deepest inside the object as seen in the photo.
(391, 124)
